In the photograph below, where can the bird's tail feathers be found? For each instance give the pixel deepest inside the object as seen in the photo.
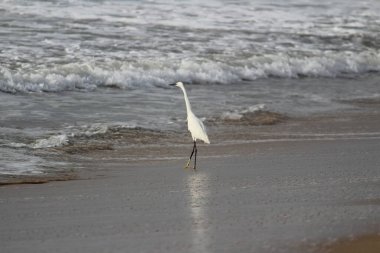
(206, 140)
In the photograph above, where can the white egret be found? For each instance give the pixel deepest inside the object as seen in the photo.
(194, 125)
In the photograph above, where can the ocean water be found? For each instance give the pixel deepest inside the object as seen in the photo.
(78, 69)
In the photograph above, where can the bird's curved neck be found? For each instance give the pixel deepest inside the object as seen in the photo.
(188, 106)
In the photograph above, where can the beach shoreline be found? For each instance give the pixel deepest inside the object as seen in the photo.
(369, 243)
(135, 145)
(94, 140)
(265, 194)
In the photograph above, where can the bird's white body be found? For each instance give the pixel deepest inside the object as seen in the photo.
(196, 128)
(194, 125)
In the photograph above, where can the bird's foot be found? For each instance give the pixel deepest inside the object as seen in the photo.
(187, 164)
(194, 168)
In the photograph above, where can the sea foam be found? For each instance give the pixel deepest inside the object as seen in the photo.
(52, 141)
(239, 114)
(90, 76)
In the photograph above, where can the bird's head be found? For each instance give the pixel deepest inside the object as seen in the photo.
(178, 84)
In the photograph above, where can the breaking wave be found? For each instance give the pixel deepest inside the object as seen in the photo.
(52, 141)
(97, 136)
(117, 74)
(239, 114)
(255, 115)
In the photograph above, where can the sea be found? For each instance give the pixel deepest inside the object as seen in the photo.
(87, 69)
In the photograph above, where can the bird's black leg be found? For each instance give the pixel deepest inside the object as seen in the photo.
(194, 148)
(195, 156)
(192, 152)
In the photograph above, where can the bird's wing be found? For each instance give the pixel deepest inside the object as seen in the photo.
(203, 134)
(201, 124)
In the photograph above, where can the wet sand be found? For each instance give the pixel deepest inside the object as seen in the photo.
(304, 185)
(247, 197)
(363, 244)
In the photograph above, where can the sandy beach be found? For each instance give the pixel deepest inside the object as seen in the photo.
(368, 243)
(93, 139)
(305, 194)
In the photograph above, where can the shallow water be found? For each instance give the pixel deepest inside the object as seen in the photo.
(108, 117)
(73, 70)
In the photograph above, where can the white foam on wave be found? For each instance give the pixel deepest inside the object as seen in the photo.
(16, 163)
(98, 129)
(194, 41)
(239, 113)
(52, 141)
(89, 76)
(69, 135)
(48, 142)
